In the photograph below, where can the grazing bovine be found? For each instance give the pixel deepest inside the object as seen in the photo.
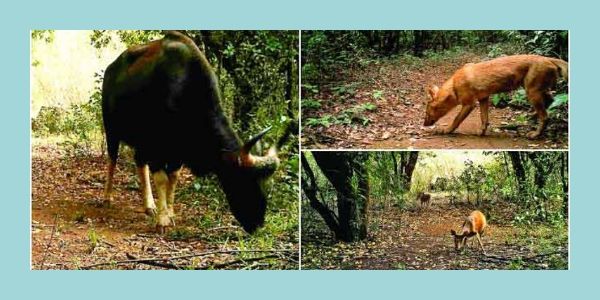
(163, 100)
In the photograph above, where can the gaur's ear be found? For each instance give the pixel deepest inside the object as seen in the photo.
(433, 91)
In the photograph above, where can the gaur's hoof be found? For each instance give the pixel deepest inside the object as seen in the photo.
(105, 202)
(533, 135)
(150, 211)
(164, 221)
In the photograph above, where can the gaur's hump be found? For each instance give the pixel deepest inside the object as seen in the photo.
(179, 37)
(175, 40)
(175, 35)
(134, 52)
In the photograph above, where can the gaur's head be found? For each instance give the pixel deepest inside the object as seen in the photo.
(243, 178)
(441, 101)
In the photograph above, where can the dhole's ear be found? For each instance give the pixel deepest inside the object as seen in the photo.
(433, 91)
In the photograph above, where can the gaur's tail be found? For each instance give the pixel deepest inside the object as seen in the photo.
(563, 67)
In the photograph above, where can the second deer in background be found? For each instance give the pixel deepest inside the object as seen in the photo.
(424, 198)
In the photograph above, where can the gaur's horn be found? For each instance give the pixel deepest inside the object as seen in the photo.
(249, 144)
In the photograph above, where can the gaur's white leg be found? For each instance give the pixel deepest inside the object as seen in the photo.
(161, 180)
(173, 177)
(108, 187)
(146, 189)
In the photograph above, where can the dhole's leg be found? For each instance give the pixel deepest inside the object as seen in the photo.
(537, 100)
(464, 112)
(108, 187)
(146, 189)
(173, 176)
(484, 106)
(161, 180)
(480, 243)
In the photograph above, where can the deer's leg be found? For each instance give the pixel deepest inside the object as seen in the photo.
(480, 243)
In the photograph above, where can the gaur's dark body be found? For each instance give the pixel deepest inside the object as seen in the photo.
(163, 100)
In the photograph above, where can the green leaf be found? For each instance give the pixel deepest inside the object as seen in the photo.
(377, 94)
(559, 100)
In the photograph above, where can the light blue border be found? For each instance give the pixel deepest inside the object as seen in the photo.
(19, 17)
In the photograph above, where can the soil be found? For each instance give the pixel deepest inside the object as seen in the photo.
(396, 123)
(72, 227)
(418, 238)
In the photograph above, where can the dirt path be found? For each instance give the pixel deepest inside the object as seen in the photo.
(401, 98)
(72, 228)
(419, 239)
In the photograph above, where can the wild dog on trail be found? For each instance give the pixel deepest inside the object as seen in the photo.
(478, 81)
(474, 225)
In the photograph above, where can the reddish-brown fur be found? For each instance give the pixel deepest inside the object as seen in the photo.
(474, 225)
(476, 82)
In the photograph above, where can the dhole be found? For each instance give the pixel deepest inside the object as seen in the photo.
(425, 198)
(474, 225)
(477, 81)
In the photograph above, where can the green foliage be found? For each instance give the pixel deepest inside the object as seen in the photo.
(377, 94)
(560, 100)
(46, 35)
(386, 185)
(472, 179)
(327, 55)
(345, 91)
(80, 124)
(355, 114)
(311, 104)
(324, 121)
(93, 239)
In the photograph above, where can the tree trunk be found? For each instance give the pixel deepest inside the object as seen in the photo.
(517, 164)
(309, 186)
(419, 42)
(408, 162)
(340, 168)
(564, 165)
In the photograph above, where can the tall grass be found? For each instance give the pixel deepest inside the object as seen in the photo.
(62, 68)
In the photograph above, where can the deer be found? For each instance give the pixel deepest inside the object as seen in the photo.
(425, 198)
(474, 225)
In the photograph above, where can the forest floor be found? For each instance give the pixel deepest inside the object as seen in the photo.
(73, 229)
(418, 238)
(382, 106)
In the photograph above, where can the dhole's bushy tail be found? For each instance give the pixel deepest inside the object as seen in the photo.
(563, 67)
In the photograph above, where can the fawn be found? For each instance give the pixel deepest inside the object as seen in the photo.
(474, 225)
(425, 198)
